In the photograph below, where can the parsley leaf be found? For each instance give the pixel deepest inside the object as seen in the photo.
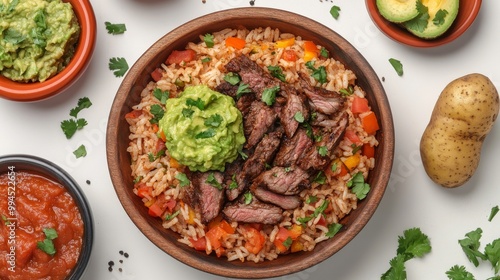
(83, 103)
(358, 185)
(439, 17)
(118, 65)
(183, 179)
(276, 72)
(80, 151)
(334, 11)
(157, 112)
(211, 180)
(115, 28)
(47, 245)
(209, 40)
(470, 246)
(494, 211)
(397, 65)
(333, 229)
(269, 95)
(459, 273)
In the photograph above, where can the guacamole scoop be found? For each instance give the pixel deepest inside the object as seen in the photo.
(203, 129)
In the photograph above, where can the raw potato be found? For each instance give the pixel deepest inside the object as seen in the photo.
(463, 115)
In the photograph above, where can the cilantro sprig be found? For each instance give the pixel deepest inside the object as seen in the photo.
(118, 65)
(47, 245)
(358, 185)
(319, 74)
(70, 126)
(115, 28)
(397, 65)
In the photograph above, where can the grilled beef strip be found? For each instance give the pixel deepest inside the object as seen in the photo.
(295, 104)
(292, 148)
(254, 212)
(258, 121)
(286, 202)
(283, 180)
(256, 163)
(320, 99)
(208, 196)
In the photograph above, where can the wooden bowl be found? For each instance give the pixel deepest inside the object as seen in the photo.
(35, 91)
(139, 75)
(467, 13)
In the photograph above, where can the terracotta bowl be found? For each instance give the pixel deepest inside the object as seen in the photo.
(139, 75)
(18, 163)
(35, 91)
(467, 13)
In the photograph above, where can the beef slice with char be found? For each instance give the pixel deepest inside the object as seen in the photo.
(256, 163)
(208, 196)
(320, 99)
(291, 149)
(283, 180)
(295, 104)
(254, 212)
(286, 202)
(257, 122)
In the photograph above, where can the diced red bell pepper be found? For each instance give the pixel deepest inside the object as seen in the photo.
(359, 105)
(180, 56)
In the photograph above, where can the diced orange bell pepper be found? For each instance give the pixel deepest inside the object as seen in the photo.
(235, 42)
(310, 50)
(369, 122)
(285, 42)
(352, 161)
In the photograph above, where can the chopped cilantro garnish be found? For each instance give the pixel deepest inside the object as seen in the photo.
(358, 185)
(333, 229)
(205, 134)
(248, 197)
(439, 17)
(214, 120)
(334, 11)
(69, 127)
(137, 179)
(213, 181)
(206, 59)
(459, 273)
(118, 65)
(318, 211)
(243, 155)
(232, 78)
(169, 216)
(83, 103)
(269, 95)
(276, 72)
(347, 91)
(470, 246)
(319, 74)
(198, 103)
(242, 89)
(183, 179)
(420, 22)
(397, 65)
(320, 178)
(233, 185)
(115, 28)
(311, 199)
(209, 40)
(288, 242)
(492, 253)
(355, 148)
(80, 151)
(322, 151)
(47, 245)
(299, 117)
(162, 96)
(187, 113)
(494, 211)
(323, 52)
(157, 112)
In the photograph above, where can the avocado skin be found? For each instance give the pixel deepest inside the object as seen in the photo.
(433, 31)
(398, 11)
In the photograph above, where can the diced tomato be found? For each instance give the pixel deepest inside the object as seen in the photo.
(215, 236)
(280, 238)
(155, 210)
(369, 122)
(289, 55)
(143, 190)
(352, 136)
(310, 50)
(199, 244)
(133, 114)
(235, 42)
(157, 74)
(180, 56)
(254, 240)
(160, 145)
(368, 150)
(171, 203)
(359, 105)
(321, 221)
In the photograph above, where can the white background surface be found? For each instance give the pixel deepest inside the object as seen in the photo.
(411, 199)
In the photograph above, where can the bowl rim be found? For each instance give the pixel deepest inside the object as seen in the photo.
(36, 91)
(409, 39)
(120, 180)
(24, 162)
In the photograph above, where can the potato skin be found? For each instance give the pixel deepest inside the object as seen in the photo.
(464, 114)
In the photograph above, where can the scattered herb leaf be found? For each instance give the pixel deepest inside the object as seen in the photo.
(80, 151)
(397, 65)
(211, 180)
(115, 28)
(157, 112)
(333, 229)
(470, 245)
(47, 245)
(83, 103)
(242, 89)
(299, 117)
(439, 17)
(209, 40)
(358, 185)
(459, 273)
(248, 197)
(198, 103)
(183, 179)
(269, 95)
(205, 134)
(232, 78)
(214, 120)
(494, 211)
(169, 216)
(162, 96)
(118, 65)
(335, 12)
(276, 72)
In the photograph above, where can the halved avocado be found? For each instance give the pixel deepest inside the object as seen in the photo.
(398, 11)
(436, 17)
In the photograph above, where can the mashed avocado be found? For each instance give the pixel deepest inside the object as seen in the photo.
(37, 38)
(203, 128)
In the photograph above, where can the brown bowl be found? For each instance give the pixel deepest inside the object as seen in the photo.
(35, 91)
(138, 77)
(467, 13)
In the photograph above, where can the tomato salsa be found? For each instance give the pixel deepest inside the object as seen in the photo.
(41, 229)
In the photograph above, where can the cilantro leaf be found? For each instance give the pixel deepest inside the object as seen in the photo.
(322, 151)
(232, 78)
(420, 22)
(492, 252)
(323, 52)
(494, 211)
(169, 216)
(333, 229)
(319, 74)
(198, 103)
(162, 96)
(211, 180)
(269, 95)
(248, 197)
(157, 112)
(69, 127)
(413, 244)
(397, 271)
(242, 89)
(214, 120)
(187, 113)
(358, 185)
(276, 72)
(80, 151)
(118, 65)
(459, 273)
(233, 185)
(397, 65)
(288, 242)
(439, 17)
(115, 28)
(83, 103)
(183, 179)
(334, 11)
(47, 245)
(299, 117)
(205, 134)
(470, 246)
(209, 40)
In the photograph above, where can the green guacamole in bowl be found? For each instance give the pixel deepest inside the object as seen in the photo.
(203, 129)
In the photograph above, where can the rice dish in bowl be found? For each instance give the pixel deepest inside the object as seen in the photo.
(311, 141)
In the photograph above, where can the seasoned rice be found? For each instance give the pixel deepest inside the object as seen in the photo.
(159, 173)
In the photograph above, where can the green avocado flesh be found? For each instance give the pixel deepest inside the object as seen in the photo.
(435, 18)
(203, 129)
(398, 11)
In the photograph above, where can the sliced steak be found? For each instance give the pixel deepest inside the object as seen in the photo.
(227, 89)
(291, 149)
(283, 180)
(286, 202)
(208, 195)
(254, 212)
(320, 99)
(257, 122)
(295, 104)
(252, 74)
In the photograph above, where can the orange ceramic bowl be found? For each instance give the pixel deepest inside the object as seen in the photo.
(467, 13)
(35, 91)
